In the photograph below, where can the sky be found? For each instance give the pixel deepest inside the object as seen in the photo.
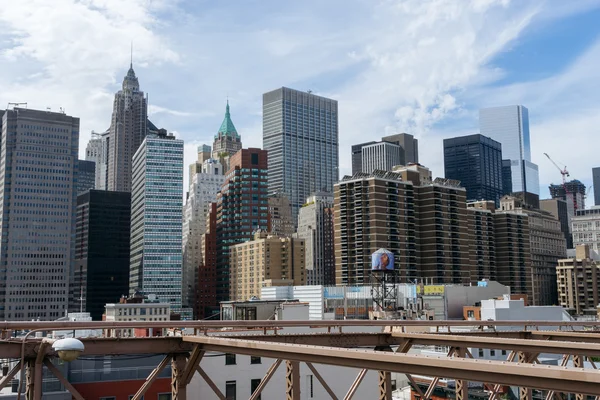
(419, 66)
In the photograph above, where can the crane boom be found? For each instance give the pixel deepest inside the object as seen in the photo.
(563, 171)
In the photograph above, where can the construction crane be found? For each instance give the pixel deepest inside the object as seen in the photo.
(565, 174)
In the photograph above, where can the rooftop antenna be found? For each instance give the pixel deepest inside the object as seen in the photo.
(131, 56)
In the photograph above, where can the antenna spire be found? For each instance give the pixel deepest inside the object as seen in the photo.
(131, 56)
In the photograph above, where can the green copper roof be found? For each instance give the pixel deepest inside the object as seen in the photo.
(227, 128)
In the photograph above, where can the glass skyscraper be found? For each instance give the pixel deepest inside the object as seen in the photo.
(509, 125)
(300, 132)
(475, 161)
(156, 219)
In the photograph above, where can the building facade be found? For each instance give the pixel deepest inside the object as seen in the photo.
(315, 226)
(101, 251)
(475, 161)
(357, 156)
(128, 128)
(509, 125)
(38, 164)
(206, 304)
(202, 193)
(382, 156)
(86, 176)
(586, 228)
(373, 211)
(242, 209)
(268, 260)
(482, 242)
(280, 215)
(300, 132)
(156, 219)
(409, 144)
(227, 141)
(547, 246)
(577, 280)
(558, 208)
(204, 153)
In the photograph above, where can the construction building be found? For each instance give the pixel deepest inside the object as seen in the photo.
(577, 280)
(268, 260)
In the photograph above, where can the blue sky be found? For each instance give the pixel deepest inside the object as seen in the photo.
(418, 66)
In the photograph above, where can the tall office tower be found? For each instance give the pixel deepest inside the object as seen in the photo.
(300, 132)
(506, 178)
(227, 140)
(409, 144)
(101, 251)
(558, 208)
(206, 290)
(242, 208)
(509, 125)
(547, 245)
(156, 219)
(482, 247)
(513, 251)
(204, 153)
(280, 215)
(475, 161)
(373, 211)
(86, 176)
(97, 151)
(267, 260)
(203, 191)
(382, 156)
(315, 226)
(357, 156)
(596, 184)
(38, 190)
(128, 128)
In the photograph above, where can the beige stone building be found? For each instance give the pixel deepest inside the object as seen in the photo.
(280, 215)
(268, 260)
(547, 246)
(577, 280)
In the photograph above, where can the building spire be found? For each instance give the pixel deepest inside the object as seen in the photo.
(227, 128)
(131, 56)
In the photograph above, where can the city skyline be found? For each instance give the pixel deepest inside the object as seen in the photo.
(512, 58)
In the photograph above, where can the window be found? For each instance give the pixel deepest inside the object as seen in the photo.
(230, 390)
(503, 352)
(480, 352)
(255, 360)
(164, 396)
(229, 359)
(254, 385)
(131, 396)
(492, 353)
(470, 314)
(311, 393)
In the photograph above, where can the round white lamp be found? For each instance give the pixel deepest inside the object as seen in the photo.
(68, 349)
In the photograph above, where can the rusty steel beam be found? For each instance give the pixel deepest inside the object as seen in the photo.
(210, 383)
(542, 377)
(193, 360)
(347, 340)
(526, 345)
(8, 378)
(151, 378)
(63, 380)
(103, 346)
(265, 380)
(292, 380)
(356, 384)
(322, 381)
(208, 325)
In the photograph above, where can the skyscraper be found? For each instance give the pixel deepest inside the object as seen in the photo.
(300, 132)
(357, 156)
(315, 226)
(382, 156)
(86, 176)
(409, 144)
(128, 128)
(202, 192)
(227, 140)
(242, 208)
(475, 161)
(101, 251)
(509, 125)
(97, 151)
(596, 183)
(37, 186)
(156, 219)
